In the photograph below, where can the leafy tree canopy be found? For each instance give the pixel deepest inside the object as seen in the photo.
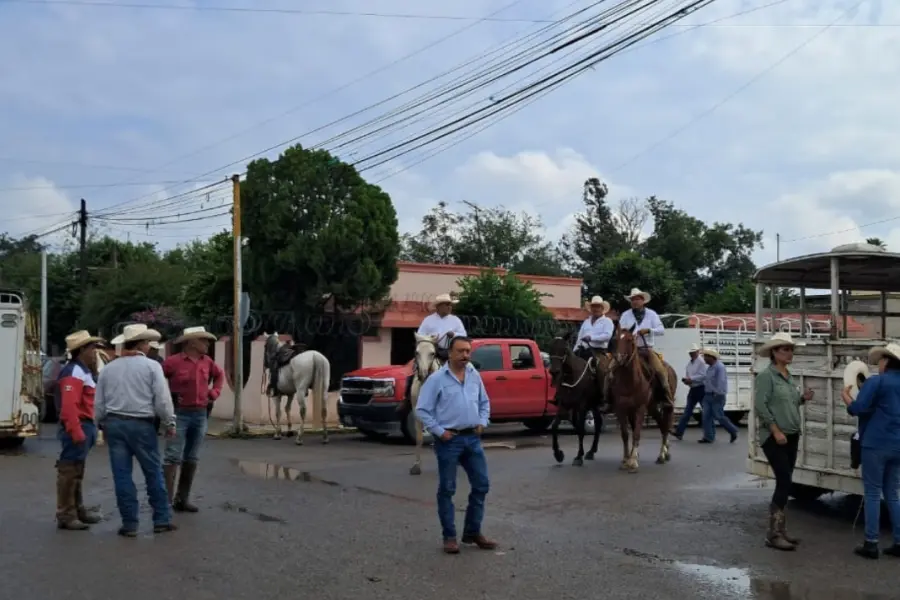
(494, 295)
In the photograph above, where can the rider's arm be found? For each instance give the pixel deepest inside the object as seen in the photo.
(605, 331)
(425, 328)
(426, 406)
(459, 329)
(626, 321)
(581, 333)
(656, 326)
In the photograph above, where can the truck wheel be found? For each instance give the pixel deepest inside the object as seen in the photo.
(806, 493)
(736, 416)
(372, 435)
(11, 443)
(537, 425)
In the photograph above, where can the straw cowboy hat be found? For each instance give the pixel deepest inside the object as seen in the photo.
(695, 348)
(638, 292)
(710, 352)
(782, 338)
(892, 350)
(855, 374)
(80, 339)
(599, 301)
(444, 299)
(136, 332)
(194, 333)
(155, 345)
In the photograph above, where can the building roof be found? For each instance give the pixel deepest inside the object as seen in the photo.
(463, 270)
(403, 313)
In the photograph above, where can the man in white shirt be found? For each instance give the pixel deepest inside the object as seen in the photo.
(693, 377)
(595, 332)
(646, 325)
(443, 326)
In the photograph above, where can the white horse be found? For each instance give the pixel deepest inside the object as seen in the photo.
(308, 370)
(426, 363)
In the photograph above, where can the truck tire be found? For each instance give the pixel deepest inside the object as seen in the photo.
(537, 425)
(806, 493)
(11, 443)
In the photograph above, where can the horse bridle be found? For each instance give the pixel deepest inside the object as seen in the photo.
(421, 377)
(562, 359)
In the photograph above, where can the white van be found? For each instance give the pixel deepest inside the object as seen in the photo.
(19, 404)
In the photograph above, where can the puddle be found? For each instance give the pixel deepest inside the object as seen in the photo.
(270, 471)
(735, 581)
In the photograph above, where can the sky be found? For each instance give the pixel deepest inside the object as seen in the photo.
(782, 118)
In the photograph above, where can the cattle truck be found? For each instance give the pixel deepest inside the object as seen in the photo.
(848, 273)
(20, 370)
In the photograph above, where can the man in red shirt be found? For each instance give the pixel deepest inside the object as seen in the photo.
(77, 432)
(189, 373)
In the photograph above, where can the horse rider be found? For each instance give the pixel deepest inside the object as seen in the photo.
(77, 432)
(189, 373)
(647, 325)
(595, 332)
(444, 326)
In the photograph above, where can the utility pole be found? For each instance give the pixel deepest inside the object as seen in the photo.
(44, 347)
(776, 299)
(82, 247)
(237, 330)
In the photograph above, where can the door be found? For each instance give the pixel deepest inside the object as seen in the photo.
(488, 359)
(11, 325)
(526, 389)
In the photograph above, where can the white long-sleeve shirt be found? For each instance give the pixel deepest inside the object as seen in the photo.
(133, 386)
(650, 321)
(438, 326)
(599, 332)
(696, 370)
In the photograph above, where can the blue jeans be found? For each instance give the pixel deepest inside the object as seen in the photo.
(714, 410)
(464, 450)
(190, 429)
(881, 475)
(694, 397)
(130, 439)
(72, 452)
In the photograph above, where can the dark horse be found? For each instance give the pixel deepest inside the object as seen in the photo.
(579, 389)
(632, 386)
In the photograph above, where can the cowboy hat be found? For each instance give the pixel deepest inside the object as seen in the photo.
(599, 301)
(638, 292)
(444, 299)
(891, 350)
(194, 333)
(711, 352)
(136, 332)
(782, 338)
(81, 338)
(155, 345)
(695, 348)
(855, 373)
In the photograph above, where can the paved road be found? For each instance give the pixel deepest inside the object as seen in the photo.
(346, 520)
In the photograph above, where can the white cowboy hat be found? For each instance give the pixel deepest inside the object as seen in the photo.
(855, 372)
(711, 352)
(599, 301)
(155, 345)
(638, 292)
(892, 350)
(444, 299)
(193, 333)
(695, 348)
(782, 338)
(136, 332)
(81, 338)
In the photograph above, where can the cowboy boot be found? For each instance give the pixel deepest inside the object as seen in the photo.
(784, 534)
(774, 538)
(85, 516)
(66, 511)
(169, 473)
(185, 480)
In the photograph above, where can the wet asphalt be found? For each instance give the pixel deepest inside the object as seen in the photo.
(347, 521)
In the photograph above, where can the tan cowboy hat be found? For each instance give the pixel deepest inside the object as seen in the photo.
(711, 352)
(81, 338)
(695, 348)
(598, 300)
(155, 345)
(782, 338)
(194, 333)
(891, 350)
(855, 373)
(445, 299)
(136, 332)
(638, 292)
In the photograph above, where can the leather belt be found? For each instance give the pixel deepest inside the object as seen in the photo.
(466, 431)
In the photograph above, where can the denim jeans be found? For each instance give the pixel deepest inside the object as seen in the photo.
(464, 450)
(130, 439)
(190, 429)
(881, 476)
(714, 410)
(77, 452)
(694, 397)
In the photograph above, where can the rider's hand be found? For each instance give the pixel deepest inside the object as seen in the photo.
(586, 338)
(449, 334)
(644, 331)
(446, 436)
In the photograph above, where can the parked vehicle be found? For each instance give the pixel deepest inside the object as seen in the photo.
(20, 382)
(50, 372)
(823, 460)
(514, 371)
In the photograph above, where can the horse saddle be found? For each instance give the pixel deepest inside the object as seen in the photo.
(286, 353)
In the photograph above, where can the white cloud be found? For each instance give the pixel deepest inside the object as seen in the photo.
(35, 206)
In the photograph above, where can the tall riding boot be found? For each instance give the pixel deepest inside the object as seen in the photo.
(774, 538)
(169, 473)
(784, 534)
(66, 510)
(84, 515)
(185, 480)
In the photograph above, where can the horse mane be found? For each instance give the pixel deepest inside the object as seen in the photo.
(634, 360)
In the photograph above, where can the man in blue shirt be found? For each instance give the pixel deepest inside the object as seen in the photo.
(454, 407)
(715, 382)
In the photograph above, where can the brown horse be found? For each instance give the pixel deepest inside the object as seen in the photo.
(632, 387)
(579, 389)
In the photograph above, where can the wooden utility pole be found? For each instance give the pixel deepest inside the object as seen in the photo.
(82, 247)
(237, 329)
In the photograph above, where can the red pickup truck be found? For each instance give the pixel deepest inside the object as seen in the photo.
(514, 373)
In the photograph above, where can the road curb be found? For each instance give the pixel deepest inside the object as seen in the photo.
(268, 433)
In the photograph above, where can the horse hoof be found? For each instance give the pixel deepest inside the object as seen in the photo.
(660, 460)
(559, 455)
(589, 456)
(415, 470)
(276, 437)
(290, 433)
(325, 440)
(299, 442)
(623, 466)
(578, 462)
(668, 457)
(632, 470)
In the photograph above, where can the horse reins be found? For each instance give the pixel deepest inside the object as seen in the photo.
(587, 365)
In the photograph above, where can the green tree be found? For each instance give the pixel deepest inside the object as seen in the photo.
(618, 274)
(595, 236)
(495, 295)
(316, 231)
(740, 297)
(209, 289)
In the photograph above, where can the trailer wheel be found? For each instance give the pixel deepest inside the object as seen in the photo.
(806, 493)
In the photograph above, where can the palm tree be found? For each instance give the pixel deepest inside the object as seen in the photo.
(874, 241)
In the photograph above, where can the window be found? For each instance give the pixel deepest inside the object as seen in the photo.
(522, 357)
(488, 358)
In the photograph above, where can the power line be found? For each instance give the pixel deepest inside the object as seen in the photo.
(76, 186)
(839, 231)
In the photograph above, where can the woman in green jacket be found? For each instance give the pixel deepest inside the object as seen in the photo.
(777, 403)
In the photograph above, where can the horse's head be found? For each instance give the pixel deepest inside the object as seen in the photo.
(426, 354)
(626, 346)
(560, 348)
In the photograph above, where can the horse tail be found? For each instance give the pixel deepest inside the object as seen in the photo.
(321, 379)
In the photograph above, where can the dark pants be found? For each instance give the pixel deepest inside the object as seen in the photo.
(72, 452)
(130, 439)
(190, 431)
(782, 459)
(465, 451)
(694, 397)
(714, 410)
